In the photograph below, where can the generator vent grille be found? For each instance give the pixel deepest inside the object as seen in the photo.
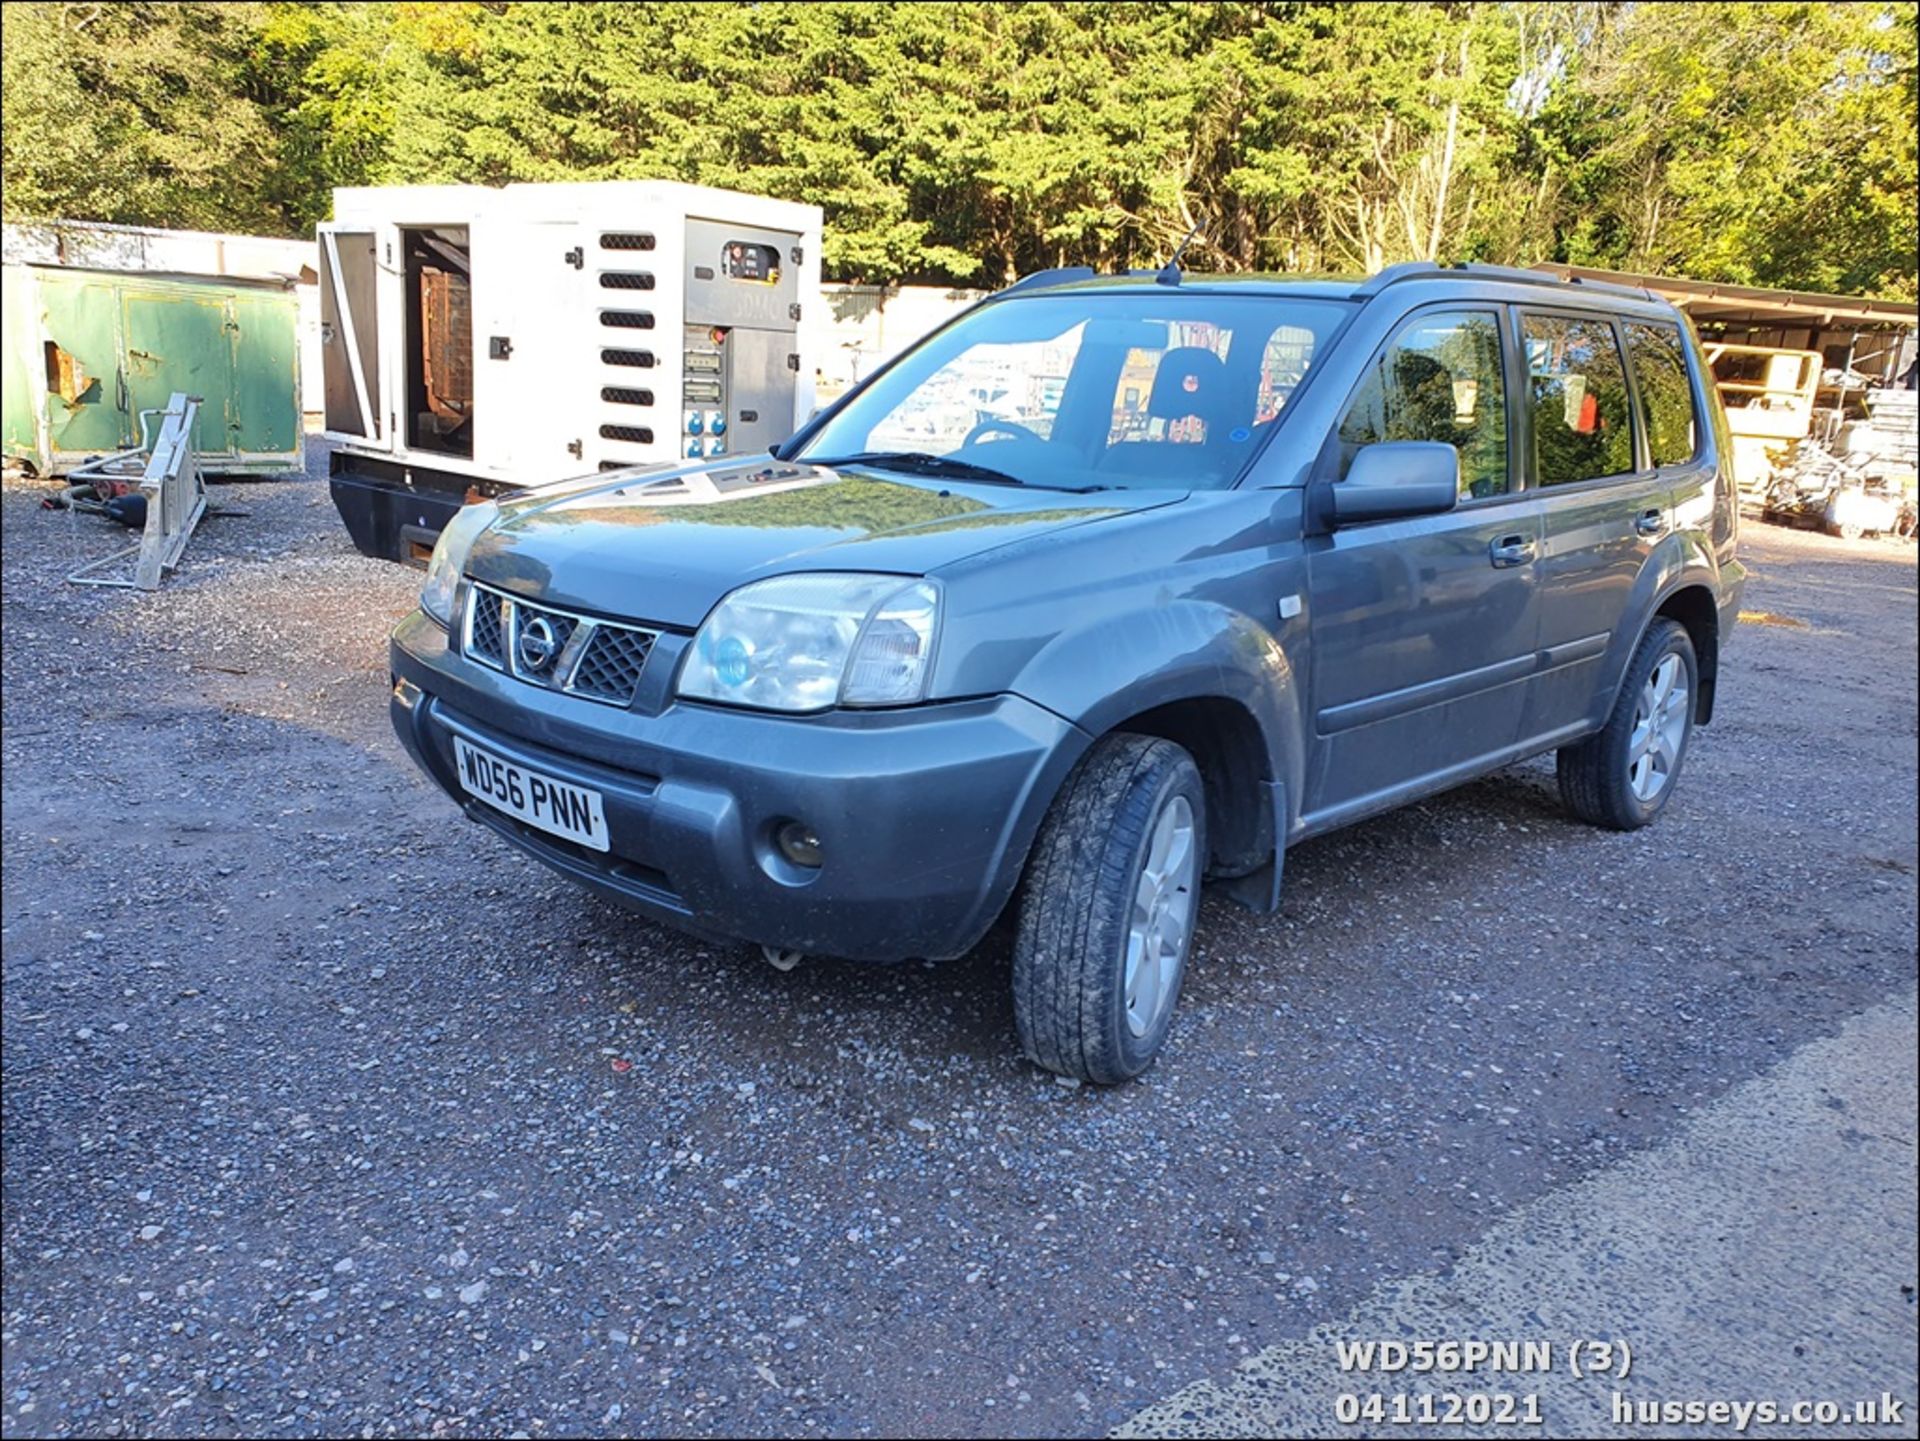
(628, 319)
(626, 240)
(639, 359)
(626, 280)
(636, 434)
(625, 395)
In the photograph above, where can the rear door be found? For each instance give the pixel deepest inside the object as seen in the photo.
(1424, 630)
(1605, 506)
(350, 336)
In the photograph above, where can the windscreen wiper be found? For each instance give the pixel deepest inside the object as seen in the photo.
(920, 462)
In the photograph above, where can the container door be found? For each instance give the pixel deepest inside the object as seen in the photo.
(180, 340)
(84, 400)
(350, 336)
(761, 376)
(265, 413)
(534, 339)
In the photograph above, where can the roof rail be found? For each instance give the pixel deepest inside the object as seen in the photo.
(1427, 269)
(1061, 275)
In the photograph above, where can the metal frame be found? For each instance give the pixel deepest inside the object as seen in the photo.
(1433, 270)
(370, 428)
(175, 491)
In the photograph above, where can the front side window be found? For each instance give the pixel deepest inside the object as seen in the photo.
(1440, 380)
(1666, 393)
(1582, 424)
(1074, 390)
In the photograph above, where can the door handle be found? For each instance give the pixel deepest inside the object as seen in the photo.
(1650, 522)
(1511, 550)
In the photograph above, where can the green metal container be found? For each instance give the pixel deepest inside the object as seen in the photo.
(85, 351)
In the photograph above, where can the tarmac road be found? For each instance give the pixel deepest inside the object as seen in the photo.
(324, 1112)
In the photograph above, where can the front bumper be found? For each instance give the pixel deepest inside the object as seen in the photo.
(924, 815)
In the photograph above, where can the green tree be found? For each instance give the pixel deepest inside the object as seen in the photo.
(1349, 137)
(136, 112)
(1767, 144)
(972, 142)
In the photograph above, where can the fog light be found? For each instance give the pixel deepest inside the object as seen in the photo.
(799, 844)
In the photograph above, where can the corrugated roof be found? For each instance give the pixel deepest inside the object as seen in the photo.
(1713, 300)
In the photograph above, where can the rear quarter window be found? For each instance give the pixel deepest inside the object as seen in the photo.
(1659, 357)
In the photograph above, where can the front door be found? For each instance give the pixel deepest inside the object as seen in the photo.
(1424, 630)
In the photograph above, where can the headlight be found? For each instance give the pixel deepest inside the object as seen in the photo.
(450, 559)
(808, 642)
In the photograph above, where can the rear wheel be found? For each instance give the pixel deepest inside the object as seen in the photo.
(1621, 777)
(1108, 910)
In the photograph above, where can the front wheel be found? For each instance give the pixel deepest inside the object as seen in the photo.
(1108, 910)
(1621, 777)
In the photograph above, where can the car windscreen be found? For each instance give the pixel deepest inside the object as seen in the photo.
(1133, 389)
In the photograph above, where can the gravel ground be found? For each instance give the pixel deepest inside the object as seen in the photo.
(326, 1113)
(1804, 1175)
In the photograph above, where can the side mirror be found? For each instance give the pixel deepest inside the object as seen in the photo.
(1395, 479)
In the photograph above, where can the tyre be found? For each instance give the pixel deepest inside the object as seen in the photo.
(1621, 777)
(1108, 909)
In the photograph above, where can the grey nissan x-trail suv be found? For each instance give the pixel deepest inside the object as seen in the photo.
(1107, 587)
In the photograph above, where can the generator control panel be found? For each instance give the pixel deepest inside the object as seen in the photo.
(739, 347)
(704, 392)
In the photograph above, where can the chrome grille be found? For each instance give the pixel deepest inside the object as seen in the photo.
(611, 662)
(485, 638)
(557, 649)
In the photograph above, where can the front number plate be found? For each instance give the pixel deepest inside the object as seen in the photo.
(569, 811)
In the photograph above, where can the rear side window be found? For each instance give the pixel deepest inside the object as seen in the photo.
(1666, 394)
(1283, 365)
(1582, 420)
(1438, 380)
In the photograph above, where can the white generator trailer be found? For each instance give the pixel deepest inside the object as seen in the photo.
(477, 340)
